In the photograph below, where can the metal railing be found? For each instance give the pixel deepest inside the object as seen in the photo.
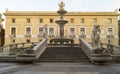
(82, 36)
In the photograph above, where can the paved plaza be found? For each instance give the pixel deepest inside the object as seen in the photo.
(59, 68)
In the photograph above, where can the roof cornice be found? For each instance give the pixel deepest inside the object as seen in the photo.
(50, 13)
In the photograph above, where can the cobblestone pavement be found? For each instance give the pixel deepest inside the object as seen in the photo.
(59, 68)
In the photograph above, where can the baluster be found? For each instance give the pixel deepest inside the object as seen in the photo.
(118, 50)
(10, 48)
(101, 45)
(23, 44)
(16, 49)
(1, 49)
(22, 48)
(115, 50)
(112, 49)
(7, 50)
(33, 44)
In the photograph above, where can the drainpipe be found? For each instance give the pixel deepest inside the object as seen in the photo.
(119, 29)
(119, 32)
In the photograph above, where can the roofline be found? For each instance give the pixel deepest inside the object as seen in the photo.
(54, 13)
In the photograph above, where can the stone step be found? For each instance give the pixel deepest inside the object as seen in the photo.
(63, 54)
(52, 60)
(64, 57)
(70, 59)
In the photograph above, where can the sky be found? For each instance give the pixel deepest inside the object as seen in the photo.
(52, 5)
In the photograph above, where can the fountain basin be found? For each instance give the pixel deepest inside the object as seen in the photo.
(61, 21)
(61, 12)
(61, 41)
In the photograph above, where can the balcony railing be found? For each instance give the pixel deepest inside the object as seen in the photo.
(39, 36)
(72, 36)
(13, 35)
(82, 36)
(51, 36)
(110, 36)
(27, 35)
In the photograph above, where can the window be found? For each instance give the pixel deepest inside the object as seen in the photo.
(72, 20)
(95, 20)
(82, 20)
(41, 20)
(110, 31)
(28, 20)
(72, 31)
(51, 31)
(40, 31)
(51, 20)
(109, 21)
(13, 31)
(13, 20)
(82, 31)
(13, 40)
(28, 40)
(28, 31)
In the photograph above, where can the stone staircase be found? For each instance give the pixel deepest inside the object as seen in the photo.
(63, 54)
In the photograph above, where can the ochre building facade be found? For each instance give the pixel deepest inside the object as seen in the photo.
(2, 32)
(27, 26)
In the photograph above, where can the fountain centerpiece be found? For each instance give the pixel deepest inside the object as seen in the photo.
(61, 22)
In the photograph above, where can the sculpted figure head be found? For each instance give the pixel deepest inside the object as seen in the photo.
(61, 5)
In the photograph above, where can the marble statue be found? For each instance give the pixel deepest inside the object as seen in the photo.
(61, 5)
(96, 36)
(61, 32)
(45, 31)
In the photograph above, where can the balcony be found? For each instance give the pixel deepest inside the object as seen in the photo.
(82, 36)
(39, 36)
(110, 36)
(28, 35)
(51, 36)
(13, 35)
(72, 36)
